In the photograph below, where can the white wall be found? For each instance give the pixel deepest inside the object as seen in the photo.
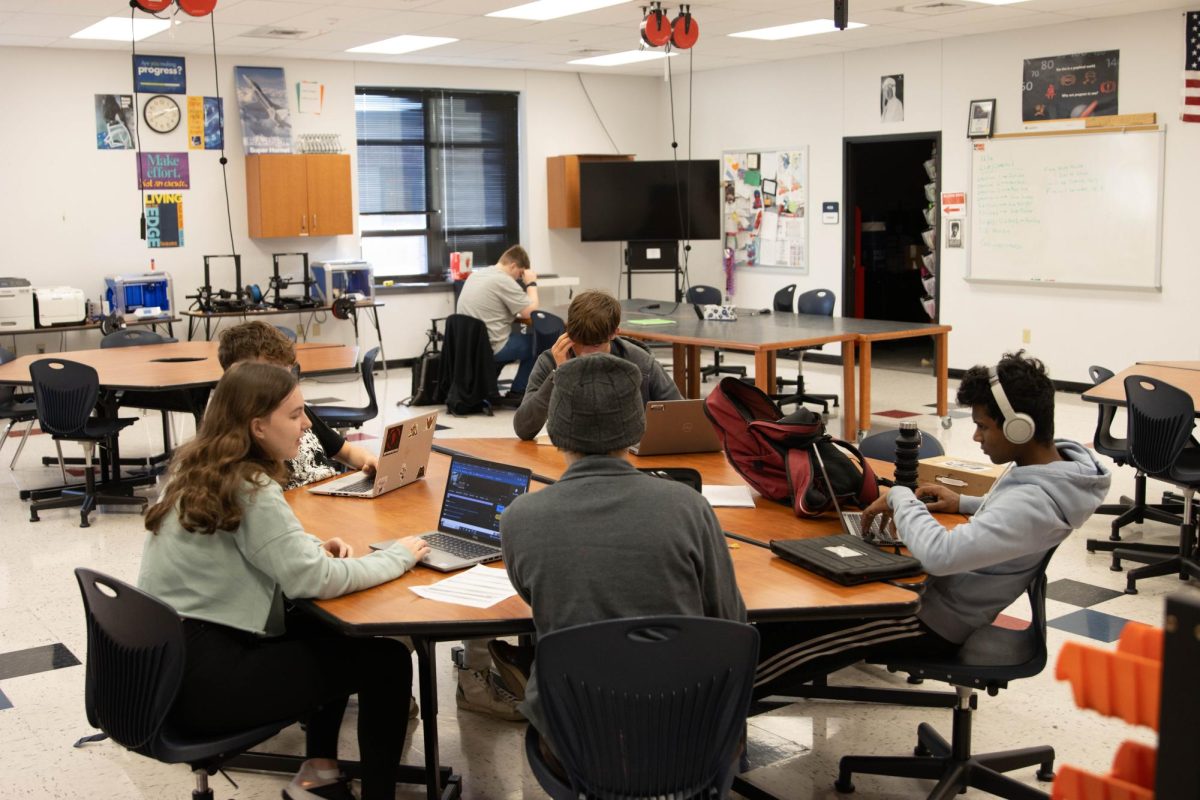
(70, 213)
(818, 101)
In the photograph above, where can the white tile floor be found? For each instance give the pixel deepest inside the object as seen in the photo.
(797, 745)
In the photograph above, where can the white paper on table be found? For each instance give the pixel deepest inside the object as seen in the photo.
(478, 587)
(736, 496)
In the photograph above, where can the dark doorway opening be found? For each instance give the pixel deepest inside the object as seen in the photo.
(890, 266)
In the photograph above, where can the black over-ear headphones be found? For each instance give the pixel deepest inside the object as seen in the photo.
(1018, 428)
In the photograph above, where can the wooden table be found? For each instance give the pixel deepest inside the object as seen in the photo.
(1112, 391)
(766, 334)
(1191, 365)
(773, 589)
(90, 326)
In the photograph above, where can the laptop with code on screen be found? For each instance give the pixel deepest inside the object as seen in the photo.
(477, 493)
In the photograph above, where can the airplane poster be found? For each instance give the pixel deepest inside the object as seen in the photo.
(263, 106)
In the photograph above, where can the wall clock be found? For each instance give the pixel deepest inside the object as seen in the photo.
(161, 113)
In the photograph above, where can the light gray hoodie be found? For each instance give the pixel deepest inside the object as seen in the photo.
(980, 567)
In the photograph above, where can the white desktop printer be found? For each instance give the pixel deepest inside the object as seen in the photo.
(16, 305)
(59, 305)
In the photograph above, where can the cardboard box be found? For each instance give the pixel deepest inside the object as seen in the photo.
(964, 477)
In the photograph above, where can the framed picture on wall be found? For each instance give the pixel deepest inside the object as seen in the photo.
(981, 120)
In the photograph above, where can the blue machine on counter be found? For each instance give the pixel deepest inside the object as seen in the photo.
(140, 295)
(334, 279)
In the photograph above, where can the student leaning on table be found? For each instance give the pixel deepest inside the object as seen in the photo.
(607, 541)
(978, 568)
(225, 549)
(320, 446)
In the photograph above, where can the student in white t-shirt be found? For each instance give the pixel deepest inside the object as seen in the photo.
(497, 297)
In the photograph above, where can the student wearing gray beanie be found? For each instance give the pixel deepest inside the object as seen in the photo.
(607, 541)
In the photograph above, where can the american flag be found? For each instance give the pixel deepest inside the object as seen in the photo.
(1191, 70)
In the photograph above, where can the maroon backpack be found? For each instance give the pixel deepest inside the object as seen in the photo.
(774, 453)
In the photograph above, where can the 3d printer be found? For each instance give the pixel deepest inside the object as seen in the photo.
(351, 278)
(278, 284)
(212, 301)
(140, 295)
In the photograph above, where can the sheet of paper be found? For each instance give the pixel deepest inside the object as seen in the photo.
(649, 322)
(478, 587)
(736, 496)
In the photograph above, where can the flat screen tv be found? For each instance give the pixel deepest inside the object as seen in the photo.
(629, 201)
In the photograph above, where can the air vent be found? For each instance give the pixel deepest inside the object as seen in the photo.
(934, 9)
(273, 32)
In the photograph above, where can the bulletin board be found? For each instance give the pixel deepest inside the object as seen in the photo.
(766, 207)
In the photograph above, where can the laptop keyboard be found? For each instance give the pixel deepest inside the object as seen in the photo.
(361, 485)
(875, 535)
(458, 547)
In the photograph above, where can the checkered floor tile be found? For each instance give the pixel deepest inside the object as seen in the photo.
(896, 413)
(35, 660)
(1078, 593)
(4, 702)
(1092, 624)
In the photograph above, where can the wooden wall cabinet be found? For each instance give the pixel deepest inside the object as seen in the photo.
(298, 195)
(562, 187)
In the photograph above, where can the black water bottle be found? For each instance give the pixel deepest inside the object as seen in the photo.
(908, 445)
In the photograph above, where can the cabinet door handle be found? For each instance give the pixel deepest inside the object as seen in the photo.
(314, 221)
(304, 225)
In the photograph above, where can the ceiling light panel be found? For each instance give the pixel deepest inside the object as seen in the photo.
(810, 28)
(402, 44)
(553, 9)
(617, 59)
(118, 29)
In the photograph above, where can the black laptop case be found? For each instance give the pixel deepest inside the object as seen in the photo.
(829, 557)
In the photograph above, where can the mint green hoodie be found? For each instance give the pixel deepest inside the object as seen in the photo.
(239, 578)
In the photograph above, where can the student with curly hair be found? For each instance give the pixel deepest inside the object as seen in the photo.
(225, 550)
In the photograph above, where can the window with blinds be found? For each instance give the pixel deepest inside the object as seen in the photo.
(437, 173)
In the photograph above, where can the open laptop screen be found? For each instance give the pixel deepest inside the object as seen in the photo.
(477, 492)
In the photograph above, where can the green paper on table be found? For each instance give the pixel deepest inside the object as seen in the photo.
(651, 321)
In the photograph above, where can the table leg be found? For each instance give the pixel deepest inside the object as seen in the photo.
(764, 370)
(427, 673)
(864, 387)
(379, 337)
(942, 344)
(693, 372)
(679, 367)
(849, 407)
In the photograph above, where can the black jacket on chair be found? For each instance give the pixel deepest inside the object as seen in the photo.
(468, 369)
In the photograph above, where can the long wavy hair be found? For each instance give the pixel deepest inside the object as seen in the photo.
(208, 474)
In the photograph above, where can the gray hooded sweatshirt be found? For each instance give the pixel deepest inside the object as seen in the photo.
(979, 568)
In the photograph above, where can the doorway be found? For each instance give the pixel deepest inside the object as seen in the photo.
(890, 257)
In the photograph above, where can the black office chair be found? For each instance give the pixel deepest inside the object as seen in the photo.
(18, 409)
(661, 715)
(1161, 419)
(286, 331)
(66, 393)
(132, 337)
(711, 295)
(185, 401)
(469, 371)
(135, 662)
(988, 660)
(882, 446)
(1129, 511)
(818, 302)
(344, 417)
(547, 328)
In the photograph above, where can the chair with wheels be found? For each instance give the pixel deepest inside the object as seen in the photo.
(1133, 511)
(184, 401)
(711, 295)
(988, 660)
(66, 393)
(350, 417)
(1161, 420)
(132, 337)
(661, 715)
(469, 371)
(288, 332)
(547, 328)
(818, 302)
(135, 662)
(18, 409)
(882, 446)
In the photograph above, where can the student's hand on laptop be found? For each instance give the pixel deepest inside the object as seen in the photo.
(338, 548)
(561, 350)
(938, 499)
(879, 508)
(415, 545)
(369, 464)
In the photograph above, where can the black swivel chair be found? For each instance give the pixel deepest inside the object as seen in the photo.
(344, 417)
(1133, 511)
(132, 337)
(1161, 419)
(66, 393)
(547, 328)
(186, 401)
(135, 661)
(988, 660)
(818, 302)
(661, 715)
(17, 409)
(882, 446)
(711, 295)
(286, 331)
(469, 371)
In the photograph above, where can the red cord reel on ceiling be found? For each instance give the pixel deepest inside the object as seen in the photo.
(656, 27)
(152, 6)
(685, 31)
(195, 8)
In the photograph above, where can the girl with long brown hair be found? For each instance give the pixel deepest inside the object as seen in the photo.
(224, 550)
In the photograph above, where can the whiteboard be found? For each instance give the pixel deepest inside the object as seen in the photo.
(1076, 210)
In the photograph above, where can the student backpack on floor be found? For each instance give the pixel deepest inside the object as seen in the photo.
(773, 452)
(427, 374)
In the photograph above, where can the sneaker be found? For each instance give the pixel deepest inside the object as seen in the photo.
(414, 710)
(311, 783)
(482, 692)
(513, 663)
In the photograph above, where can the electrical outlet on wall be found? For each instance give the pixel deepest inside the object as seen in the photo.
(41, 348)
(314, 329)
(1026, 335)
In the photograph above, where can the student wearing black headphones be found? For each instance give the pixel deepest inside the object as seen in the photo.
(978, 568)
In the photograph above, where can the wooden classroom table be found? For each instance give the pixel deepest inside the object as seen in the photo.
(772, 588)
(1192, 365)
(1113, 390)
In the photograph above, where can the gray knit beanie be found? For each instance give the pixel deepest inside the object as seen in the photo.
(596, 405)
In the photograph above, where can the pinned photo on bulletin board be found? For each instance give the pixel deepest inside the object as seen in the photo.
(765, 214)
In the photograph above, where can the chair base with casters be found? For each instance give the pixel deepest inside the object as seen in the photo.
(87, 500)
(801, 396)
(1178, 560)
(1135, 511)
(719, 368)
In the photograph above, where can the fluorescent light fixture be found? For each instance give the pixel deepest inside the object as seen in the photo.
(810, 28)
(401, 44)
(118, 29)
(553, 9)
(626, 57)
(997, 2)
